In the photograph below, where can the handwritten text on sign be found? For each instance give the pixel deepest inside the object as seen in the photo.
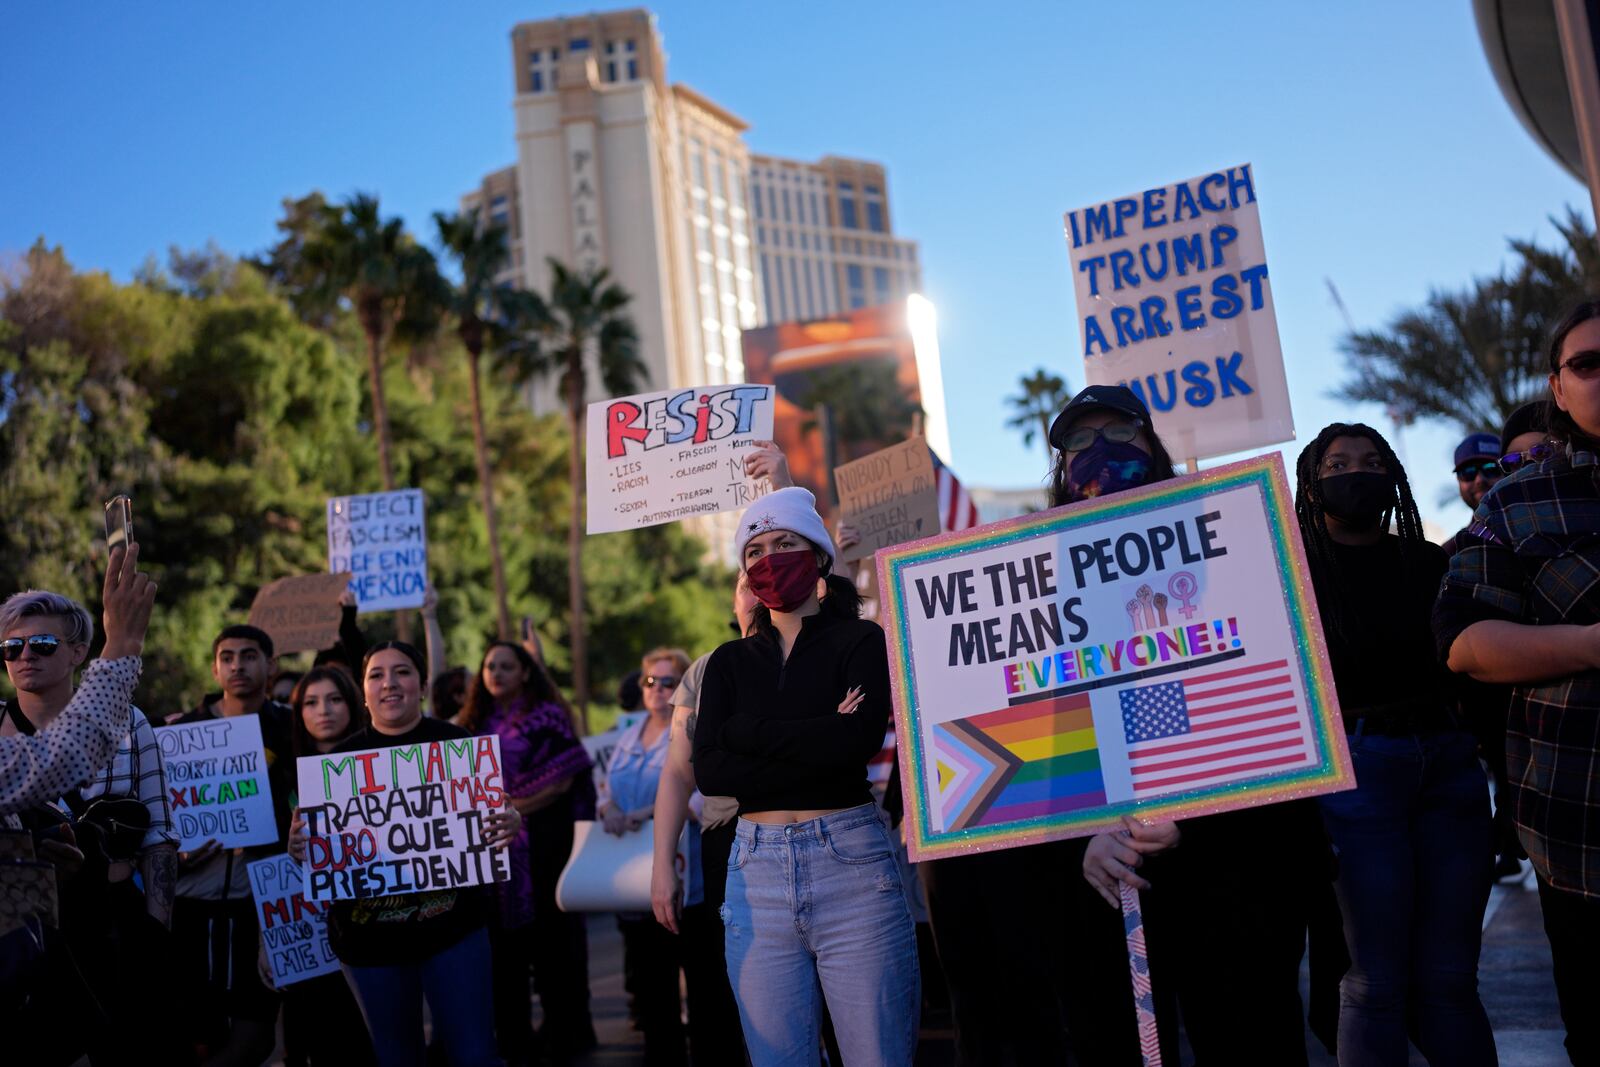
(407, 819)
(890, 497)
(217, 782)
(1155, 650)
(294, 930)
(1174, 301)
(661, 457)
(382, 540)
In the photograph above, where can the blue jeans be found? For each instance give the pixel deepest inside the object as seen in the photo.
(818, 908)
(457, 985)
(1413, 845)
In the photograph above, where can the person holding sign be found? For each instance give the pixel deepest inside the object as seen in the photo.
(548, 777)
(1413, 837)
(789, 718)
(399, 950)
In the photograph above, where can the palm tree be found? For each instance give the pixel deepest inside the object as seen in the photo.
(485, 313)
(1043, 395)
(584, 318)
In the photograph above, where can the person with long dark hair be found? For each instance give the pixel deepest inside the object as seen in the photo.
(1520, 607)
(789, 718)
(1413, 837)
(547, 775)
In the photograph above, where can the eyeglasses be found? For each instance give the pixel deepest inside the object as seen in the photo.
(664, 682)
(1537, 454)
(1584, 365)
(1084, 436)
(1490, 469)
(42, 645)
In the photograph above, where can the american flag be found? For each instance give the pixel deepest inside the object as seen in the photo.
(956, 509)
(1213, 728)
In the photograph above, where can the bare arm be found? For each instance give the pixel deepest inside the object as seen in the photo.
(672, 811)
(543, 798)
(159, 868)
(437, 660)
(1513, 653)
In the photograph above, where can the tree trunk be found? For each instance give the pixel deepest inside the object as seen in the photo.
(480, 445)
(1045, 419)
(380, 422)
(579, 640)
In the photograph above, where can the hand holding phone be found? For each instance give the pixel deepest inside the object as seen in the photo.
(119, 522)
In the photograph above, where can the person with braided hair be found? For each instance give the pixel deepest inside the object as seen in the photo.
(1412, 838)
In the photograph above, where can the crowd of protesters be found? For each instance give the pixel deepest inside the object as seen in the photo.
(1455, 666)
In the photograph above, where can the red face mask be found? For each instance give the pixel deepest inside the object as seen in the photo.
(784, 580)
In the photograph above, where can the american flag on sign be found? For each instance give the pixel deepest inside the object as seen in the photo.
(956, 509)
(1213, 728)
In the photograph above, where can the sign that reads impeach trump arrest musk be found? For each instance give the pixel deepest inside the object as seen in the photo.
(406, 819)
(662, 457)
(1174, 301)
(382, 540)
(1153, 652)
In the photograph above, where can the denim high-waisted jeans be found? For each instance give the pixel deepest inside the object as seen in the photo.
(818, 908)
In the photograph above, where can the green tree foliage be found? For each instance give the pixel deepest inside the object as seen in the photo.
(1473, 356)
(202, 393)
(867, 406)
(1040, 397)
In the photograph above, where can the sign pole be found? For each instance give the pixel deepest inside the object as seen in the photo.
(1139, 966)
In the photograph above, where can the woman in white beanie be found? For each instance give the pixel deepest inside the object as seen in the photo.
(789, 718)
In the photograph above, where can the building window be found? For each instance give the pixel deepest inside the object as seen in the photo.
(794, 287)
(880, 285)
(847, 212)
(787, 217)
(858, 286)
(628, 45)
(847, 187)
(872, 190)
(536, 81)
(633, 69)
(611, 70)
(875, 216)
(578, 44)
(611, 47)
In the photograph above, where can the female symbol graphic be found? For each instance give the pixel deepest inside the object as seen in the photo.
(1184, 587)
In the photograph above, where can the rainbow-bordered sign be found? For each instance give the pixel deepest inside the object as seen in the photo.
(1157, 651)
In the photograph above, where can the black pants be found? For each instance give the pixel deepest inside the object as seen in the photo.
(715, 1034)
(322, 1024)
(656, 957)
(1572, 923)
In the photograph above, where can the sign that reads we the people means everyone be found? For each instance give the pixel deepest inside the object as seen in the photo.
(1155, 651)
(407, 819)
(382, 540)
(662, 457)
(217, 783)
(1175, 302)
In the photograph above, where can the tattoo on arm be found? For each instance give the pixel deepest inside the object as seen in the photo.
(688, 726)
(161, 882)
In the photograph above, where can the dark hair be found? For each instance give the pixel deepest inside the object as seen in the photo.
(537, 688)
(243, 632)
(441, 699)
(405, 648)
(304, 743)
(292, 677)
(630, 697)
(1160, 465)
(1562, 427)
(1320, 552)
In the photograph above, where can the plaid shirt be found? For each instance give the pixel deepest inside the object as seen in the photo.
(1532, 556)
(136, 772)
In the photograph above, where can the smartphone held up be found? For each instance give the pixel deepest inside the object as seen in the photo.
(119, 522)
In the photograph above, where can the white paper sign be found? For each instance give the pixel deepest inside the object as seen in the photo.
(382, 540)
(610, 872)
(217, 782)
(662, 457)
(293, 929)
(1174, 301)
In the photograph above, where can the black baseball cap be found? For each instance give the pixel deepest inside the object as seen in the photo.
(1529, 418)
(1477, 446)
(1118, 398)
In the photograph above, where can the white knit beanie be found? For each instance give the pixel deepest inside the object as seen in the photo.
(793, 509)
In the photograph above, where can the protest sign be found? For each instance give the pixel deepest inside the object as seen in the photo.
(890, 497)
(27, 891)
(661, 457)
(1155, 651)
(600, 746)
(382, 540)
(300, 614)
(1174, 302)
(611, 872)
(217, 782)
(406, 819)
(293, 929)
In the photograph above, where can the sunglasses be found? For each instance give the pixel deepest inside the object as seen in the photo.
(1489, 468)
(1084, 436)
(1584, 365)
(42, 645)
(665, 682)
(1537, 454)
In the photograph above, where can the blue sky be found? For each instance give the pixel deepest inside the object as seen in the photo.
(1385, 157)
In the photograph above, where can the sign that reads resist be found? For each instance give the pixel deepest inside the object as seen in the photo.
(890, 497)
(217, 782)
(1174, 302)
(661, 457)
(294, 931)
(382, 540)
(407, 819)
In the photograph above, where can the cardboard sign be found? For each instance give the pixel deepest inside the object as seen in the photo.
(1155, 651)
(407, 819)
(217, 782)
(27, 891)
(890, 497)
(600, 746)
(661, 457)
(294, 930)
(1174, 302)
(382, 540)
(301, 614)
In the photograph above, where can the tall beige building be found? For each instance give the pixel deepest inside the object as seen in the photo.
(824, 239)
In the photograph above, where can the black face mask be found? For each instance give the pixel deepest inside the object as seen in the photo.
(1359, 498)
